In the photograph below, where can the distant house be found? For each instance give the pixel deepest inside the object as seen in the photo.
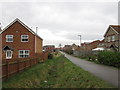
(85, 46)
(74, 47)
(66, 47)
(19, 41)
(112, 38)
(100, 46)
(49, 48)
(88, 46)
(95, 44)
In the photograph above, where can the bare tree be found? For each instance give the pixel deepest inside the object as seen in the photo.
(60, 46)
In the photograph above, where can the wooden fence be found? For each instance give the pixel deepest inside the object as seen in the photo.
(14, 66)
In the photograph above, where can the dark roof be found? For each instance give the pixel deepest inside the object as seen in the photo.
(8, 48)
(67, 46)
(95, 41)
(49, 46)
(116, 28)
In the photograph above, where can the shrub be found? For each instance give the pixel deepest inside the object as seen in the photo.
(50, 56)
(69, 51)
(109, 58)
(93, 58)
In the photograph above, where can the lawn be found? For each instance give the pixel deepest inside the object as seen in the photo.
(58, 72)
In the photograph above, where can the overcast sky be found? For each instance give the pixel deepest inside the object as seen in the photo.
(62, 22)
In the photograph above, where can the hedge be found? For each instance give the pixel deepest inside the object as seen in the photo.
(109, 58)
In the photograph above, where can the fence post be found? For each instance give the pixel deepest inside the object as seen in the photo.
(37, 59)
(18, 66)
(7, 69)
(30, 62)
(25, 64)
(34, 61)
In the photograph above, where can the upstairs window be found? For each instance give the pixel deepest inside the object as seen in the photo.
(23, 53)
(9, 38)
(24, 38)
(113, 38)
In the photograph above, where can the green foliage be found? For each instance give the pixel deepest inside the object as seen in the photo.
(56, 73)
(93, 58)
(50, 56)
(69, 51)
(109, 58)
(104, 57)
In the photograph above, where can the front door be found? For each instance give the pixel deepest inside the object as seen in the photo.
(8, 54)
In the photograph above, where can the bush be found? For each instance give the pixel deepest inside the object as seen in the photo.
(50, 56)
(109, 58)
(93, 58)
(69, 51)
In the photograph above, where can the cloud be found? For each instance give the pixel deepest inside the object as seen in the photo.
(63, 21)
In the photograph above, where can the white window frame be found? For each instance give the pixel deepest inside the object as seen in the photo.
(24, 38)
(7, 38)
(9, 57)
(113, 38)
(24, 53)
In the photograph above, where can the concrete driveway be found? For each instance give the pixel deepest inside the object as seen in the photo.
(109, 74)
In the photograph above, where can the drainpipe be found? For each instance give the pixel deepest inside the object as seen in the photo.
(35, 39)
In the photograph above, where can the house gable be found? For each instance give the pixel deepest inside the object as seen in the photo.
(20, 22)
(110, 28)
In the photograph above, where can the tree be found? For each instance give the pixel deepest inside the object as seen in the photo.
(60, 46)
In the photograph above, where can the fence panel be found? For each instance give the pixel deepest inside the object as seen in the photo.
(12, 67)
(9, 68)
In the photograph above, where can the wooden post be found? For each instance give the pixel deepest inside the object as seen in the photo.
(7, 69)
(25, 64)
(30, 62)
(18, 66)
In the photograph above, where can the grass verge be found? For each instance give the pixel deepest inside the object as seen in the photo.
(58, 72)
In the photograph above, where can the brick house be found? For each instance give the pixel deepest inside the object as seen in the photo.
(112, 38)
(74, 46)
(85, 46)
(67, 47)
(101, 44)
(95, 44)
(88, 46)
(49, 48)
(19, 41)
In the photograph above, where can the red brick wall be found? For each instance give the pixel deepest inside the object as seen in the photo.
(17, 30)
(38, 45)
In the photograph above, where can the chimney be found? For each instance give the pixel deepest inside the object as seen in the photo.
(36, 30)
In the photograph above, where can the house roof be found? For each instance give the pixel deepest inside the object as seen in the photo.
(95, 41)
(49, 46)
(18, 20)
(67, 46)
(8, 48)
(115, 28)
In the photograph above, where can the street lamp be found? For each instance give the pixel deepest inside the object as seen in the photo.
(80, 39)
(80, 43)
